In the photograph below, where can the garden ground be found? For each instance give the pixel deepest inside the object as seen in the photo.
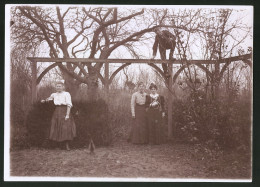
(122, 159)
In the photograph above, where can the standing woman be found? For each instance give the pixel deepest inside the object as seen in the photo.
(139, 131)
(155, 112)
(63, 128)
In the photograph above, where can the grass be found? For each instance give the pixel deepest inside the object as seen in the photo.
(127, 160)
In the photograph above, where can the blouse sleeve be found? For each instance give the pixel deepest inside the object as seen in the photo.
(51, 97)
(68, 99)
(133, 104)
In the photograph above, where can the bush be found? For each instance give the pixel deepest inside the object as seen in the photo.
(90, 119)
(223, 123)
(19, 104)
(120, 114)
(38, 122)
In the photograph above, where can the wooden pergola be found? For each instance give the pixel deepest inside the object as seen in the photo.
(106, 80)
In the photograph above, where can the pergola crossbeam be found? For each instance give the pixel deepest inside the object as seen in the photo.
(146, 61)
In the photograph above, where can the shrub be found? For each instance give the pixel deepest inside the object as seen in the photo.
(223, 122)
(19, 104)
(90, 119)
(120, 114)
(38, 122)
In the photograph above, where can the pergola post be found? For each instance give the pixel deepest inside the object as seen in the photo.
(170, 82)
(107, 79)
(34, 79)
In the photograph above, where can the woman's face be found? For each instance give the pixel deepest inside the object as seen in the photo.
(153, 91)
(59, 87)
(141, 88)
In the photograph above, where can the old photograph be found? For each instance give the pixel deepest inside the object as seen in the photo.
(128, 93)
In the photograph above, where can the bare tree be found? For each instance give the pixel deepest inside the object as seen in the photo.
(97, 32)
(209, 34)
(129, 82)
(223, 33)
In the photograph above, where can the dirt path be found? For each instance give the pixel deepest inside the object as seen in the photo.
(127, 160)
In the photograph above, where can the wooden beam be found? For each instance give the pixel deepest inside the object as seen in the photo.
(88, 60)
(45, 71)
(34, 79)
(117, 71)
(170, 85)
(107, 78)
(159, 70)
(149, 61)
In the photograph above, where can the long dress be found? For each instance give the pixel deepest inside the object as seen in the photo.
(139, 131)
(155, 107)
(62, 129)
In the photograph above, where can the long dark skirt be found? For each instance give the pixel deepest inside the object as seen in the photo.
(139, 131)
(62, 129)
(154, 117)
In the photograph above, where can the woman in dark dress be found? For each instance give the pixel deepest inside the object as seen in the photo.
(63, 128)
(155, 112)
(139, 131)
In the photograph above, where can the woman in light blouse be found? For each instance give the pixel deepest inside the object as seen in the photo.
(139, 133)
(63, 128)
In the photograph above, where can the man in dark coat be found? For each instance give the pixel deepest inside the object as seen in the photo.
(165, 40)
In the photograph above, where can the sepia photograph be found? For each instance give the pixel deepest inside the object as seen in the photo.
(131, 93)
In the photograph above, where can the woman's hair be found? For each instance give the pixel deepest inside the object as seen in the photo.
(60, 82)
(140, 83)
(152, 85)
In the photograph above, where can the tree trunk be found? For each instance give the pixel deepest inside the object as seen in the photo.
(71, 85)
(217, 89)
(92, 85)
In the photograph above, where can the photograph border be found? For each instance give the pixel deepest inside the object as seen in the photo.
(7, 138)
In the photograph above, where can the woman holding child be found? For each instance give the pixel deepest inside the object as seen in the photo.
(155, 112)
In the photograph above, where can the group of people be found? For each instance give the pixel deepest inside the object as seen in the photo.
(147, 109)
(148, 112)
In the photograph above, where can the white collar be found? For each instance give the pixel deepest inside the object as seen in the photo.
(60, 92)
(154, 95)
